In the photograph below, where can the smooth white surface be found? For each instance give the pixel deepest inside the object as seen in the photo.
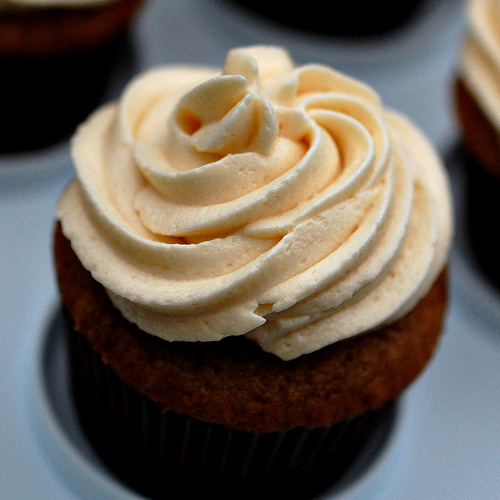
(446, 444)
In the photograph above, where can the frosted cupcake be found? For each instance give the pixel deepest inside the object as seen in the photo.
(56, 57)
(253, 267)
(477, 99)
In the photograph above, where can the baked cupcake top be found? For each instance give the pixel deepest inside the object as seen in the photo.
(480, 58)
(279, 202)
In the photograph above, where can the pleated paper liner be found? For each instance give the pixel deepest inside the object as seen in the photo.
(164, 455)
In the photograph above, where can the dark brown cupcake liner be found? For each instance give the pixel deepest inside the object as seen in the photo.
(161, 454)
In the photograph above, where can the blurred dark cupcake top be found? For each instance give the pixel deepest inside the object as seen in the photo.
(362, 19)
(279, 202)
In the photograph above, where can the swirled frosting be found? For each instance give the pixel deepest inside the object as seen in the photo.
(278, 202)
(480, 59)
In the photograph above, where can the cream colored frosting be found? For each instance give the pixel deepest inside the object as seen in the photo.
(481, 56)
(278, 202)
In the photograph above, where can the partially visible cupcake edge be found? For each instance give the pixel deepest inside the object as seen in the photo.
(57, 65)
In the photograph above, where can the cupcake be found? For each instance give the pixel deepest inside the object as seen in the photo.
(56, 57)
(252, 263)
(477, 104)
(364, 18)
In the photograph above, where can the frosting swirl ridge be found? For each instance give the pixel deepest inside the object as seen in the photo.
(279, 202)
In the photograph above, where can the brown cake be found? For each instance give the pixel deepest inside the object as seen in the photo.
(235, 383)
(252, 264)
(55, 64)
(479, 135)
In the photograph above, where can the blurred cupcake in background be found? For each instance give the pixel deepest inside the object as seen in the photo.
(56, 57)
(477, 104)
(364, 18)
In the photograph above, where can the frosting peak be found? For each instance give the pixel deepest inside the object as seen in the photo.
(270, 200)
(225, 115)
